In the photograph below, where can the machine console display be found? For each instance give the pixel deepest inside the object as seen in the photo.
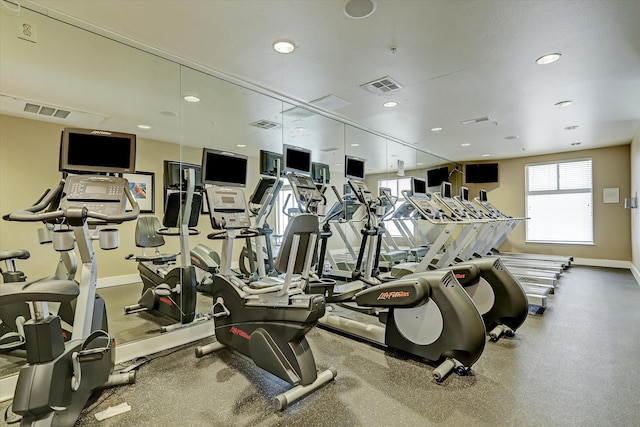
(102, 194)
(305, 190)
(227, 208)
(361, 191)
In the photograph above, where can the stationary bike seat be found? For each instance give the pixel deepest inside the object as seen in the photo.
(46, 289)
(16, 253)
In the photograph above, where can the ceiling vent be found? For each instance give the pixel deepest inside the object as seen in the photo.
(265, 124)
(382, 86)
(298, 113)
(330, 103)
(477, 120)
(30, 109)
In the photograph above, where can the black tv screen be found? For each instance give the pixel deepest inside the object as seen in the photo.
(481, 172)
(268, 161)
(224, 168)
(174, 176)
(297, 160)
(418, 186)
(89, 150)
(435, 177)
(353, 167)
(320, 173)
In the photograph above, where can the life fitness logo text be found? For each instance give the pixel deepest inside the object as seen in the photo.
(239, 332)
(396, 294)
(460, 276)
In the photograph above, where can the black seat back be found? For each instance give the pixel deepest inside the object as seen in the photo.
(146, 232)
(303, 225)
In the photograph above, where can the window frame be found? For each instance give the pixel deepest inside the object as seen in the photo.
(558, 191)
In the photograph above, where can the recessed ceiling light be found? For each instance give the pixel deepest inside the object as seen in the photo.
(576, 143)
(511, 137)
(169, 113)
(466, 144)
(299, 129)
(574, 127)
(355, 145)
(240, 145)
(191, 98)
(283, 46)
(486, 155)
(338, 164)
(144, 126)
(390, 104)
(419, 164)
(563, 104)
(548, 59)
(436, 129)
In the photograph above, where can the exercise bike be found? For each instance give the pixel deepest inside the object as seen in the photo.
(59, 378)
(266, 320)
(170, 292)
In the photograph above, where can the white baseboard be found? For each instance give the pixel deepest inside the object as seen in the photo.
(611, 263)
(636, 273)
(127, 279)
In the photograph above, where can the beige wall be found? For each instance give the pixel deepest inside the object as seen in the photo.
(635, 213)
(29, 165)
(612, 223)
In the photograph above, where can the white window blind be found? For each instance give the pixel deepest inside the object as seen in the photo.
(559, 202)
(396, 186)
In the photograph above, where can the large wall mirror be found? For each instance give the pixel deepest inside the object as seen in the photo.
(96, 82)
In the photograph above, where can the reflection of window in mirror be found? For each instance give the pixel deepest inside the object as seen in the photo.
(397, 185)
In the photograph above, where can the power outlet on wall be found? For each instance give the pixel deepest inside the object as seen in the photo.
(27, 30)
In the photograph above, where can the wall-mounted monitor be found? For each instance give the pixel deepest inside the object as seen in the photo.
(481, 172)
(173, 176)
(224, 168)
(91, 151)
(353, 167)
(482, 195)
(268, 161)
(464, 194)
(320, 173)
(297, 160)
(418, 186)
(435, 177)
(445, 190)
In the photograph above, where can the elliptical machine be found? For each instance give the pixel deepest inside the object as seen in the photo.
(172, 293)
(59, 378)
(428, 315)
(266, 320)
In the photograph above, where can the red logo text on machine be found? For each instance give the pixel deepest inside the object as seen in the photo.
(239, 332)
(395, 294)
(460, 276)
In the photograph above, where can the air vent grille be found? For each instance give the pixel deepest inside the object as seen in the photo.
(447, 278)
(477, 120)
(265, 124)
(498, 264)
(46, 111)
(382, 86)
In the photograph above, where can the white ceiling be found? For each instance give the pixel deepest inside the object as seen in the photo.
(456, 60)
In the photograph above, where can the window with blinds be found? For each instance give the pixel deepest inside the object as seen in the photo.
(396, 185)
(559, 202)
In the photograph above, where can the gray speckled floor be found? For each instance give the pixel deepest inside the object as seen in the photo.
(575, 365)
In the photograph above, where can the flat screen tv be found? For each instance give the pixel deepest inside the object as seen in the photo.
(481, 173)
(297, 160)
(174, 177)
(435, 177)
(418, 186)
(445, 190)
(270, 162)
(320, 173)
(353, 167)
(464, 194)
(224, 168)
(97, 151)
